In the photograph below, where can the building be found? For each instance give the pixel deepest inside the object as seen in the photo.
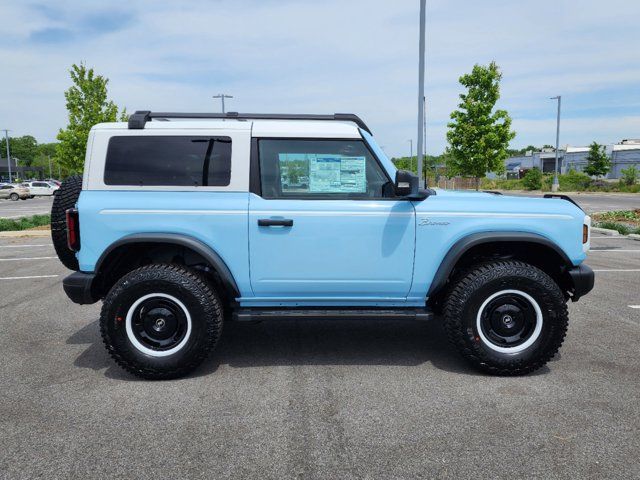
(623, 155)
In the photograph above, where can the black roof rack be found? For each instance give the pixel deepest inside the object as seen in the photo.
(138, 119)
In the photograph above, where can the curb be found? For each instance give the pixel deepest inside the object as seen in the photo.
(605, 231)
(26, 233)
(634, 236)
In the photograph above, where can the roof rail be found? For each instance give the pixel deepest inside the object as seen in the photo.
(138, 119)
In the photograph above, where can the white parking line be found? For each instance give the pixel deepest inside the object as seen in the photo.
(25, 246)
(618, 270)
(634, 306)
(24, 258)
(28, 277)
(612, 250)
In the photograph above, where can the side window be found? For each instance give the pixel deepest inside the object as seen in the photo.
(323, 169)
(168, 161)
(40, 184)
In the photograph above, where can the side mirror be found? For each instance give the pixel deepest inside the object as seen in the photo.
(407, 185)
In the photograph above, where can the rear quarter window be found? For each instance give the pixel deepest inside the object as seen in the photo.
(168, 161)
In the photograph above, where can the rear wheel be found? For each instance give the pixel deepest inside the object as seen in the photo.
(14, 197)
(66, 198)
(161, 321)
(506, 318)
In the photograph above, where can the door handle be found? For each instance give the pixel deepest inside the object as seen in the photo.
(275, 222)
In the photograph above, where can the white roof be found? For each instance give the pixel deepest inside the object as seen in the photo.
(259, 128)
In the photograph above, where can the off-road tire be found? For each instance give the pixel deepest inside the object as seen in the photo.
(469, 292)
(65, 199)
(184, 284)
(14, 197)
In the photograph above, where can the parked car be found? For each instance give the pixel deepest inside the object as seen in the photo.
(54, 181)
(180, 226)
(41, 188)
(14, 192)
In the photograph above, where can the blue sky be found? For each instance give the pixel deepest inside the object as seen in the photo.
(331, 56)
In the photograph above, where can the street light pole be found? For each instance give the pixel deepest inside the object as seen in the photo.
(6, 136)
(222, 96)
(410, 154)
(421, 86)
(556, 184)
(50, 174)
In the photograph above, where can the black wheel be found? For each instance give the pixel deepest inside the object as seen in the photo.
(68, 196)
(161, 321)
(14, 197)
(506, 317)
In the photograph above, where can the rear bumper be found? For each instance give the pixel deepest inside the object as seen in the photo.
(77, 286)
(583, 279)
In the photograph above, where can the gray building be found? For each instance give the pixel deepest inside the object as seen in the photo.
(623, 155)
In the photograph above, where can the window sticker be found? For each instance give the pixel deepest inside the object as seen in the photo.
(337, 174)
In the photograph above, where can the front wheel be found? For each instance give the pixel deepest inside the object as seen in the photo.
(161, 321)
(14, 197)
(506, 317)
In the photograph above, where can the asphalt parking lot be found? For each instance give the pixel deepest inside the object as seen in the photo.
(594, 202)
(25, 208)
(294, 399)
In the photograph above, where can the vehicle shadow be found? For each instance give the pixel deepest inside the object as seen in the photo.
(308, 342)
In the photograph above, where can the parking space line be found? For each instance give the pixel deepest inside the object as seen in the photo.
(24, 258)
(28, 277)
(634, 306)
(617, 270)
(25, 246)
(612, 250)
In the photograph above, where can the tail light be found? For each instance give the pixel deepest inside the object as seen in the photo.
(73, 229)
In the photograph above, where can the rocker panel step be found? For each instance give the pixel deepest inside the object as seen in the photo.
(257, 314)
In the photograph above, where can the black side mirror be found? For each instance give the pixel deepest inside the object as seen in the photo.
(407, 185)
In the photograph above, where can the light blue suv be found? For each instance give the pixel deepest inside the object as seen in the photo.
(183, 221)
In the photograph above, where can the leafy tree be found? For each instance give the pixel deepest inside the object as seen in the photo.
(598, 162)
(87, 105)
(23, 148)
(533, 179)
(479, 136)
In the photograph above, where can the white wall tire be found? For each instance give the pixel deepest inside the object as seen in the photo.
(135, 304)
(476, 303)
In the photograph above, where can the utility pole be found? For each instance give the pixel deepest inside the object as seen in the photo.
(556, 184)
(50, 174)
(222, 96)
(6, 136)
(421, 86)
(424, 123)
(410, 154)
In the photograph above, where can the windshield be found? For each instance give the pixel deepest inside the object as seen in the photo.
(384, 160)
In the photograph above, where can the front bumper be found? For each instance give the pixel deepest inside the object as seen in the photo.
(583, 279)
(77, 286)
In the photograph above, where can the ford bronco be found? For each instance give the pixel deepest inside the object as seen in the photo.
(183, 221)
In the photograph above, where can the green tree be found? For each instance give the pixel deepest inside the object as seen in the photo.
(598, 162)
(87, 105)
(23, 148)
(479, 136)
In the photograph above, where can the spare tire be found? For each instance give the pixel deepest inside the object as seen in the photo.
(65, 199)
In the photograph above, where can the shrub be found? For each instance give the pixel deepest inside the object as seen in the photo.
(574, 181)
(533, 179)
(629, 175)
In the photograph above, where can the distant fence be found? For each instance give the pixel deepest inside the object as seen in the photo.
(457, 183)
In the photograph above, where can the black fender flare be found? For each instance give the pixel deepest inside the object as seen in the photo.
(177, 239)
(465, 243)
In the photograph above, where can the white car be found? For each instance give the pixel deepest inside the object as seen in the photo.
(41, 188)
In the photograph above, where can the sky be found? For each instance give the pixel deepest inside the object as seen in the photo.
(285, 56)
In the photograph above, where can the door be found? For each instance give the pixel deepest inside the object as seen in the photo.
(40, 188)
(323, 225)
